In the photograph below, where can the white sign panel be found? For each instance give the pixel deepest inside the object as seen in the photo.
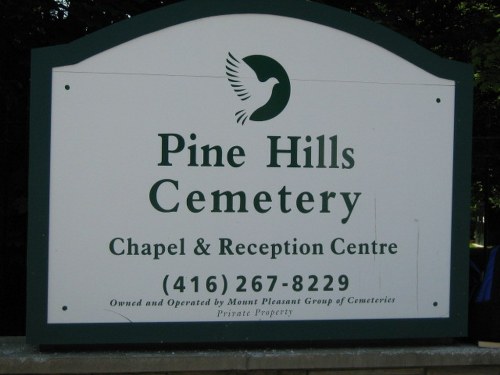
(324, 211)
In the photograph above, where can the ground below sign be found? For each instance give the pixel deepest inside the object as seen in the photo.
(247, 172)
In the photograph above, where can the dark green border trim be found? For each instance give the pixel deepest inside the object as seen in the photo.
(242, 332)
(38, 193)
(43, 60)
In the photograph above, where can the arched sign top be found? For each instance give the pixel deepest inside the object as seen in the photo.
(192, 10)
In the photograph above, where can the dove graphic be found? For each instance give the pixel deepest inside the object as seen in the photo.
(261, 83)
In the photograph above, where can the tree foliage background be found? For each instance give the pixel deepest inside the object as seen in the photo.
(467, 31)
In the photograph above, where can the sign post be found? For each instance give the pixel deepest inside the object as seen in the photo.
(247, 171)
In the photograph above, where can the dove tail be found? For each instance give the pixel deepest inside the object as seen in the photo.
(241, 116)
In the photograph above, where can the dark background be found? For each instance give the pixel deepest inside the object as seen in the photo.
(467, 31)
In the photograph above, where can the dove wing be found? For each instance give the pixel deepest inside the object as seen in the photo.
(239, 76)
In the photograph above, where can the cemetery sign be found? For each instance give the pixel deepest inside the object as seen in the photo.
(247, 171)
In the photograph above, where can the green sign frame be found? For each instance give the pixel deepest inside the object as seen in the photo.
(44, 59)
